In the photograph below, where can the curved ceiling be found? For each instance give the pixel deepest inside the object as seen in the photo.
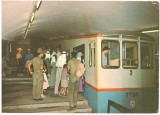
(61, 19)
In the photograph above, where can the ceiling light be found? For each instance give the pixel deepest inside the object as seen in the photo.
(25, 34)
(29, 25)
(150, 31)
(38, 4)
(32, 17)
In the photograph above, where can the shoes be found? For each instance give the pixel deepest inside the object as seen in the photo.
(38, 99)
(61, 95)
(43, 96)
(75, 106)
(71, 109)
(51, 87)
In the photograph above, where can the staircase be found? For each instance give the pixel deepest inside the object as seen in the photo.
(17, 98)
(47, 108)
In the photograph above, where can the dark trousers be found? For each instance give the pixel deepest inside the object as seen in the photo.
(20, 66)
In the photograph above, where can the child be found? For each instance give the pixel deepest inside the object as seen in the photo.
(64, 81)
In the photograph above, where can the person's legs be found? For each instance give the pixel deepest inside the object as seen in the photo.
(58, 79)
(21, 67)
(64, 91)
(34, 93)
(75, 93)
(18, 68)
(70, 94)
(40, 85)
(61, 91)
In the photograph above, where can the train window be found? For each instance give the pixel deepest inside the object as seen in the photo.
(111, 59)
(130, 54)
(146, 55)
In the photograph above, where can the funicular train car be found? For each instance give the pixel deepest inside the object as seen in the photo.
(128, 83)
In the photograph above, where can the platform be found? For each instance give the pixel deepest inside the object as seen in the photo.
(17, 98)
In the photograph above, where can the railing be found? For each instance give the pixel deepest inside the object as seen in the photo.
(119, 107)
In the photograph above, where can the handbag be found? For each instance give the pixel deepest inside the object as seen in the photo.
(80, 70)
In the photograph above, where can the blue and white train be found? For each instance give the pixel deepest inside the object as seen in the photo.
(129, 83)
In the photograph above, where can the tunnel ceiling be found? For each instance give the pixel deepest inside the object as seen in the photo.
(65, 19)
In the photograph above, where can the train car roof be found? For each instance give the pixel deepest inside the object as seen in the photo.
(65, 19)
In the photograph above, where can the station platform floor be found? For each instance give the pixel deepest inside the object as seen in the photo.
(17, 98)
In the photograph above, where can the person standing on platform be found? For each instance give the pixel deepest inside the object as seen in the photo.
(19, 62)
(52, 78)
(29, 56)
(73, 81)
(60, 62)
(45, 83)
(47, 59)
(37, 75)
(64, 81)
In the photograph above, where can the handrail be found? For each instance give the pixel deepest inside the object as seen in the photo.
(119, 107)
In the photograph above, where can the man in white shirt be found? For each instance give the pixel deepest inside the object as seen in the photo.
(58, 52)
(60, 62)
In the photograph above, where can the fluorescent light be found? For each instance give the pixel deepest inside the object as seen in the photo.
(150, 31)
(25, 34)
(29, 25)
(38, 4)
(32, 17)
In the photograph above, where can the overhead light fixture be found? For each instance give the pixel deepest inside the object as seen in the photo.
(29, 25)
(32, 17)
(38, 4)
(150, 31)
(25, 34)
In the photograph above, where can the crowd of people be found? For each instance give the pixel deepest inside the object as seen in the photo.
(49, 70)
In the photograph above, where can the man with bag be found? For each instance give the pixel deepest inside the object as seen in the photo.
(73, 81)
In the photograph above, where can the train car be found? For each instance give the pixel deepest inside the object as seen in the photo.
(128, 83)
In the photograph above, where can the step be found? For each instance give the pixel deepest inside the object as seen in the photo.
(42, 105)
(17, 82)
(16, 79)
(51, 109)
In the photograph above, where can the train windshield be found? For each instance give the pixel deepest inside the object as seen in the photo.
(110, 58)
(146, 55)
(130, 54)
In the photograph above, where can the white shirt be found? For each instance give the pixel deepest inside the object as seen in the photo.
(104, 60)
(48, 55)
(61, 60)
(58, 54)
(53, 58)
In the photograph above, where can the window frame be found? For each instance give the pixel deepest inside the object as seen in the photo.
(152, 55)
(111, 67)
(131, 66)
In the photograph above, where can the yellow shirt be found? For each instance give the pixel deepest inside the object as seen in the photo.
(18, 55)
